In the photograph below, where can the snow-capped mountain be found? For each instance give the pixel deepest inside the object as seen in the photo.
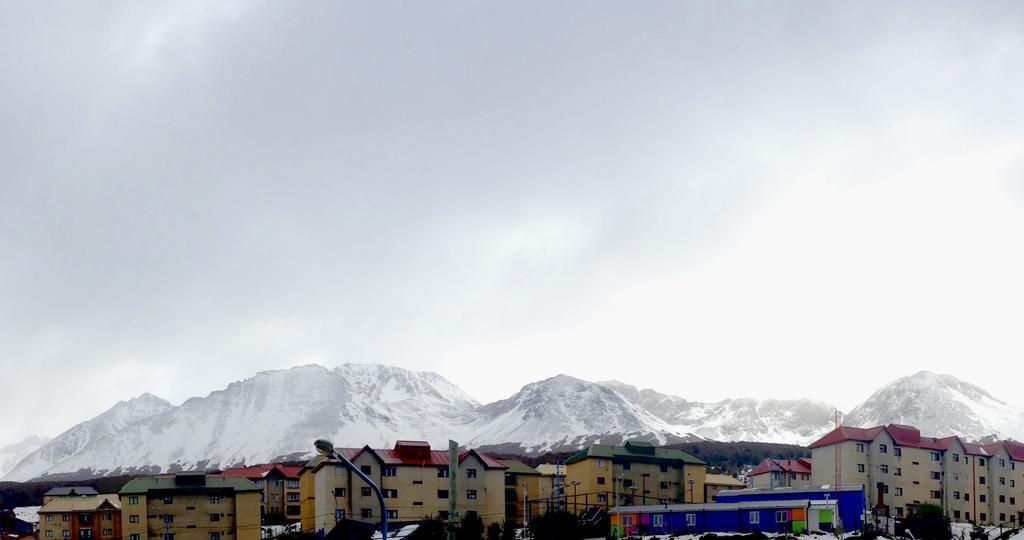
(566, 412)
(273, 415)
(277, 414)
(796, 421)
(940, 405)
(12, 454)
(83, 436)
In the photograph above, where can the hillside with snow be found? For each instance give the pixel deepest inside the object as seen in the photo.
(11, 455)
(276, 415)
(940, 405)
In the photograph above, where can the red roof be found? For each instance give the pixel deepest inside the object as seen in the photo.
(796, 466)
(844, 433)
(437, 458)
(1013, 448)
(260, 471)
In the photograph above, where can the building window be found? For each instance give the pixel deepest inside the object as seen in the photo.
(168, 518)
(366, 513)
(49, 533)
(470, 473)
(981, 479)
(85, 533)
(339, 514)
(936, 494)
(1002, 480)
(860, 467)
(600, 463)
(956, 476)
(663, 467)
(625, 466)
(884, 469)
(1002, 499)
(364, 491)
(956, 495)
(471, 494)
(897, 451)
(860, 447)
(981, 463)
(956, 515)
(934, 456)
(215, 517)
(66, 533)
(292, 497)
(899, 511)
(691, 520)
(390, 471)
(49, 518)
(658, 520)
(443, 514)
(442, 494)
(259, 483)
(390, 493)
(1013, 500)
(367, 470)
(392, 514)
(215, 499)
(168, 536)
(65, 517)
(600, 480)
(601, 497)
(781, 516)
(899, 491)
(755, 518)
(215, 536)
(339, 492)
(168, 500)
(107, 516)
(1002, 463)
(134, 518)
(293, 483)
(442, 473)
(967, 497)
(956, 458)
(1002, 517)
(627, 482)
(982, 498)
(663, 485)
(883, 449)
(1012, 483)
(983, 517)
(935, 475)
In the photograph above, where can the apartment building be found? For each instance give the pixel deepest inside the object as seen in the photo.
(715, 483)
(635, 473)
(414, 478)
(279, 484)
(773, 473)
(190, 506)
(80, 517)
(901, 469)
(521, 481)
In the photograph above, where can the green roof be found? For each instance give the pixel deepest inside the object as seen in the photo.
(518, 467)
(141, 486)
(635, 451)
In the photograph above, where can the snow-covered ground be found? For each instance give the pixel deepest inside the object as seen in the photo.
(28, 514)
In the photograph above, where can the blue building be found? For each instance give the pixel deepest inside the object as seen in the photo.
(793, 510)
(850, 500)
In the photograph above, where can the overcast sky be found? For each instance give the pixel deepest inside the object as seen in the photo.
(763, 199)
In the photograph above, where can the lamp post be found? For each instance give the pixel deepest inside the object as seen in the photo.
(691, 491)
(326, 449)
(574, 483)
(643, 488)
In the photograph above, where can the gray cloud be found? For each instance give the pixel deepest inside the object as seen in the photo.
(191, 193)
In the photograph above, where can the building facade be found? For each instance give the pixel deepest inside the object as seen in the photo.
(636, 473)
(772, 473)
(416, 484)
(715, 483)
(280, 493)
(521, 482)
(85, 517)
(900, 469)
(190, 506)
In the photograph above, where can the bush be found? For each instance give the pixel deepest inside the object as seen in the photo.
(508, 530)
(494, 531)
(471, 528)
(929, 523)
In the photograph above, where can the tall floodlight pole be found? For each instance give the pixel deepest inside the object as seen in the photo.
(326, 449)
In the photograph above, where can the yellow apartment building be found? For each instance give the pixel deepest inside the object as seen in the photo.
(636, 473)
(80, 517)
(190, 506)
(414, 478)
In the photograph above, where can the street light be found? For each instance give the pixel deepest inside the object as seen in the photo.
(643, 487)
(691, 490)
(326, 449)
(574, 483)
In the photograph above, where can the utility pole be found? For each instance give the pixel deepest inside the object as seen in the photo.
(453, 488)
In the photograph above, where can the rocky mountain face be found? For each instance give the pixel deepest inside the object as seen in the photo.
(276, 415)
(940, 405)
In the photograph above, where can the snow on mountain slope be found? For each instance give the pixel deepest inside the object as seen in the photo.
(12, 454)
(797, 421)
(74, 441)
(940, 405)
(277, 415)
(565, 412)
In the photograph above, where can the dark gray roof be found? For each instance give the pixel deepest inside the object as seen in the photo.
(194, 482)
(66, 491)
